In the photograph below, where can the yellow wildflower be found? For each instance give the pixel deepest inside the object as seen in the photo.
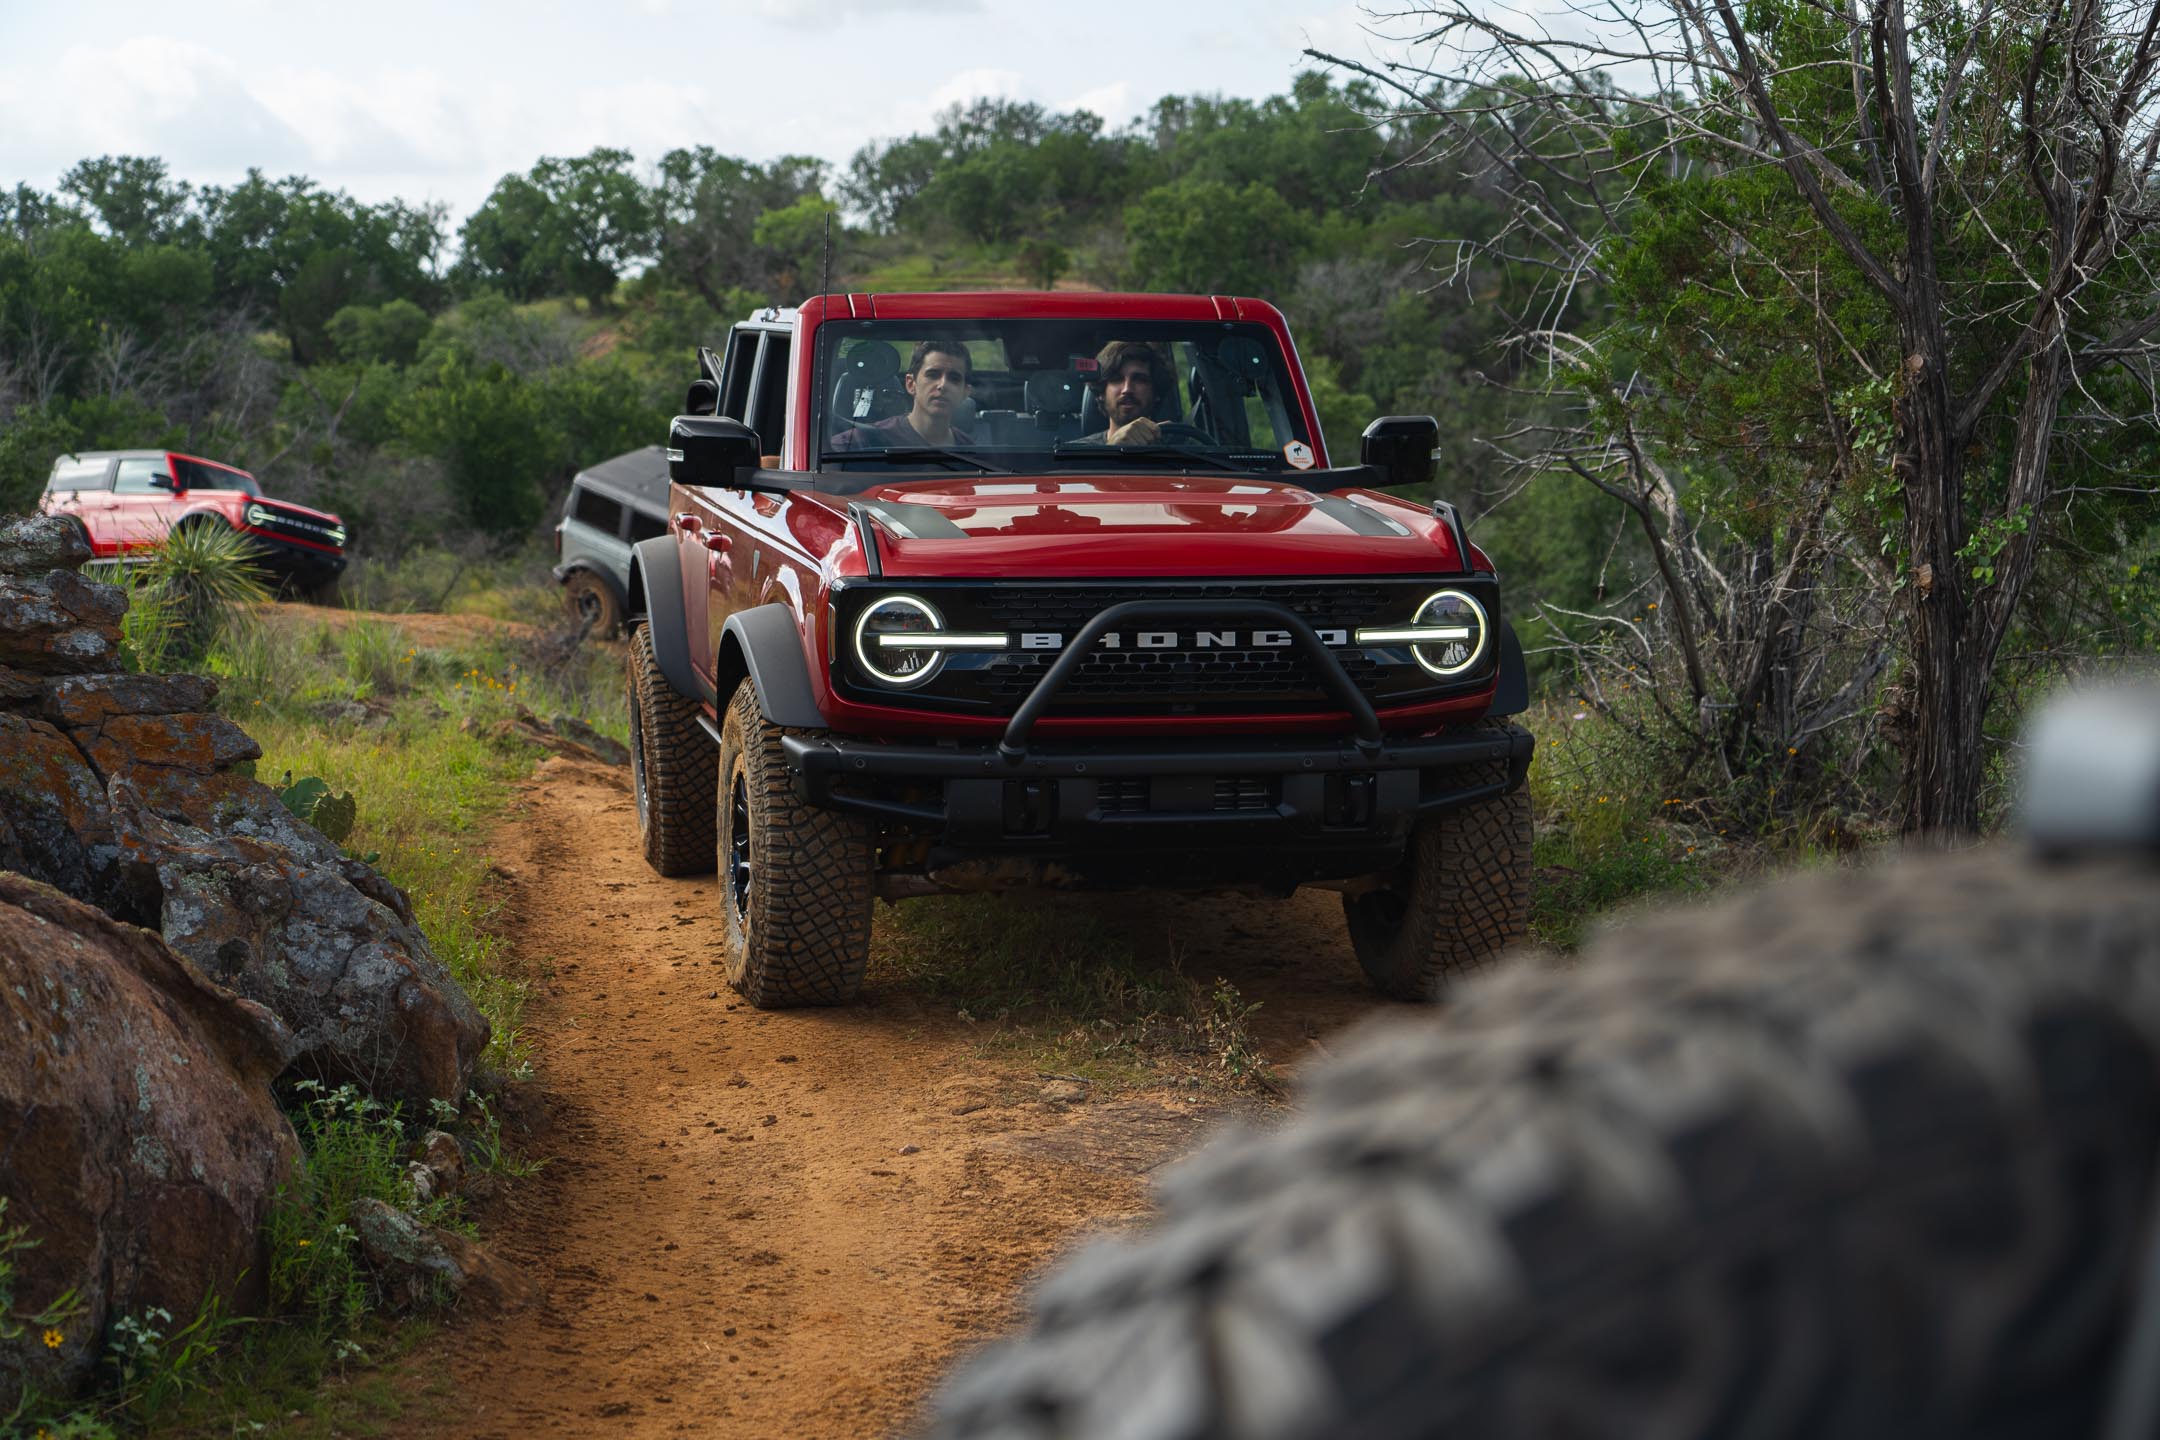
(52, 1339)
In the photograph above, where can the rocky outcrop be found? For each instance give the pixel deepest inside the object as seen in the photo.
(139, 1143)
(417, 1264)
(123, 791)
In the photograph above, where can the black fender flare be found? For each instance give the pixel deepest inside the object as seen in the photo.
(656, 570)
(769, 642)
(1511, 692)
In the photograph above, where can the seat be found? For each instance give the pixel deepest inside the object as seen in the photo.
(1054, 399)
(868, 387)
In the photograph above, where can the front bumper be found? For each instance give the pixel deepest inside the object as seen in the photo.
(306, 563)
(1273, 813)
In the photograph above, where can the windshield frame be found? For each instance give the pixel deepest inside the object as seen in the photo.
(1285, 405)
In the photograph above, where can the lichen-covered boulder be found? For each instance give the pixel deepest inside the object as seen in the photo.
(54, 822)
(267, 906)
(141, 1144)
(36, 544)
(59, 623)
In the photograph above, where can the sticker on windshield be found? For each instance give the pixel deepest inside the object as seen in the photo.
(1299, 454)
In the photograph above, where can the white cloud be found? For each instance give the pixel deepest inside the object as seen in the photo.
(1112, 102)
(151, 90)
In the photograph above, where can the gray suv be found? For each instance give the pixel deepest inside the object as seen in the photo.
(610, 508)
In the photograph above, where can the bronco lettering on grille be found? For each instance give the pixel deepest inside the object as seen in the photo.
(1179, 640)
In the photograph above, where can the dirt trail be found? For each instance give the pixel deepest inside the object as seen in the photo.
(786, 1224)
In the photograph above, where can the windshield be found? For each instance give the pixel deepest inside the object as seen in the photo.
(999, 395)
(202, 475)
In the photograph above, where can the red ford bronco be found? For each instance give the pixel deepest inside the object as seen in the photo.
(126, 501)
(934, 614)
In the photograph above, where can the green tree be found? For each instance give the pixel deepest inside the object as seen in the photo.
(494, 436)
(599, 215)
(1205, 237)
(509, 243)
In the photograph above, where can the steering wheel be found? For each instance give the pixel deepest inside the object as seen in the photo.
(1176, 431)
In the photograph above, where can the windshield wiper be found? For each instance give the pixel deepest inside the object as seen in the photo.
(1071, 451)
(929, 454)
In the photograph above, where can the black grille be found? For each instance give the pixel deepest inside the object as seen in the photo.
(277, 522)
(1215, 675)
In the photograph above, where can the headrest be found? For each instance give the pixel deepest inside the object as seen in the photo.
(1055, 392)
(871, 359)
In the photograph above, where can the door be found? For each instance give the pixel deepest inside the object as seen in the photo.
(83, 489)
(141, 512)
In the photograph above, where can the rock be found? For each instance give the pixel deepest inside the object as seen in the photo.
(202, 744)
(265, 905)
(911, 1149)
(88, 701)
(1065, 1092)
(415, 1262)
(570, 728)
(39, 544)
(19, 687)
(142, 1146)
(55, 825)
(61, 624)
(421, 1180)
(440, 1153)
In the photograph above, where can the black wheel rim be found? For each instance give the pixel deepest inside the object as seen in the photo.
(739, 858)
(588, 604)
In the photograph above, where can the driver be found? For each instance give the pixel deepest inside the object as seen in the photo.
(1129, 375)
(937, 379)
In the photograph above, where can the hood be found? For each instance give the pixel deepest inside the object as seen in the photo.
(1148, 525)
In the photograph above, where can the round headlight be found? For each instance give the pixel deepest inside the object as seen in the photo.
(881, 636)
(257, 515)
(1460, 639)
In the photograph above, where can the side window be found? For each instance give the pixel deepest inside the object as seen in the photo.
(741, 361)
(134, 476)
(596, 510)
(646, 527)
(771, 398)
(78, 475)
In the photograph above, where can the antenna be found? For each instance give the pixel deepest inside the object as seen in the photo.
(825, 276)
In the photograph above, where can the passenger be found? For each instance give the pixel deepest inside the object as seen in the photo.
(1129, 377)
(937, 378)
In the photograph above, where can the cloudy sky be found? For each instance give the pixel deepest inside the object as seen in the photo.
(437, 101)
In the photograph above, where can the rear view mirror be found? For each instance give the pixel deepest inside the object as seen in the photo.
(711, 451)
(1401, 448)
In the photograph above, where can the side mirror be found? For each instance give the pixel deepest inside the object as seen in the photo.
(163, 481)
(710, 451)
(1401, 448)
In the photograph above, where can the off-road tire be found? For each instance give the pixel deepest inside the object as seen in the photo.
(588, 598)
(806, 935)
(1461, 896)
(1846, 1158)
(674, 768)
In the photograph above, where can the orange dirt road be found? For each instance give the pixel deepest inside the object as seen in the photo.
(788, 1224)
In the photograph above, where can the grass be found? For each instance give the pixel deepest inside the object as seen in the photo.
(471, 580)
(1058, 991)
